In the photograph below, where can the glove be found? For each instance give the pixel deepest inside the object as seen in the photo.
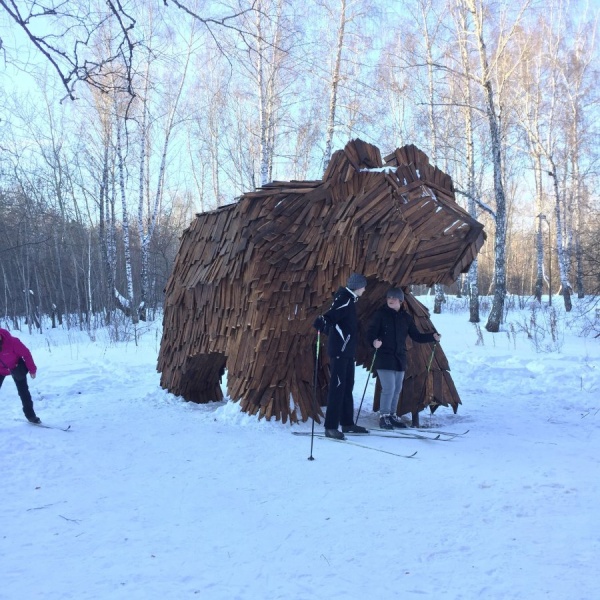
(320, 324)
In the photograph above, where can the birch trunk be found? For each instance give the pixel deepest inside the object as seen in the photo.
(141, 309)
(147, 223)
(539, 239)
(583, 57)
(263, 85)
(126, 302)
(107, 218)
(439, 297)
(473, 272)
(335, 80)
(496, 315)
(565, 285)
(578, 228)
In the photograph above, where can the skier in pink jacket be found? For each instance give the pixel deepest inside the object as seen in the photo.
(16, 360)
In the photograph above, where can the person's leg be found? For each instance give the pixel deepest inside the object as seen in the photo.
(19, 374)
(347, 414)
(395, 420)
(387, 381)
(1, 380)
(335, 396)
(398, 381)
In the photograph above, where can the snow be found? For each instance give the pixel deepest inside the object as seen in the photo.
(390, 170)
(149, 497)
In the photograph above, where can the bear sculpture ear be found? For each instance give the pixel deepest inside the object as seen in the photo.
(356, 156)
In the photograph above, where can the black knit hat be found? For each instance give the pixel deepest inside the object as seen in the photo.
(395, 293)
(356, 281)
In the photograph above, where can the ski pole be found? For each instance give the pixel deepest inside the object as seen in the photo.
(431, 357)
(427, 374)
(366, 384)
(312, 433)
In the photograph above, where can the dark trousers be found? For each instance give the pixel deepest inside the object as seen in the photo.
(19, 374)
(340, 405)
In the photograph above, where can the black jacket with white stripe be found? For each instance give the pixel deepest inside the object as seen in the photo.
(342, 324)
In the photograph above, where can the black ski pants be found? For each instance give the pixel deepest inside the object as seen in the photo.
(340, 404)
(19, 374)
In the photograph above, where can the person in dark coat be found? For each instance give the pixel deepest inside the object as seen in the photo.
(387, 332)
(16, 360)
(341, 325)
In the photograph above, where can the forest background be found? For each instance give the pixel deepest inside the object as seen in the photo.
(120, 120)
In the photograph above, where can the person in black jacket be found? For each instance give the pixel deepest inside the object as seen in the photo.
(341, 325)
(387, 333)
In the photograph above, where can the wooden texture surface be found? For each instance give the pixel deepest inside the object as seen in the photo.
(250, 278)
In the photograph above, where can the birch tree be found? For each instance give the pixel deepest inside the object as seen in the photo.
(395, 83)
(550, 114)
(127, 302)
(147, 197)
(486, 81)
(430, 30)
(530, 104)
(103, 168)
(209, 110)
(554, 149)
(266, 57)
(334, 85)
(577, 74)
(471, 190)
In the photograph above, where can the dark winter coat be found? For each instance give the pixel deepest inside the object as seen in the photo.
(13, 349)
(392, 327)
(342, 324)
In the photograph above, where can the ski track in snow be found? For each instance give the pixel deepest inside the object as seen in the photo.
(149, 497)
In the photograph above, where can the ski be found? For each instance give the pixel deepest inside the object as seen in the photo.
(67, 428)
(399, 434)
(395, 433)
(346, 441)
(450, 433)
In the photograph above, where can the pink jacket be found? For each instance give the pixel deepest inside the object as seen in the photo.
(14, 349)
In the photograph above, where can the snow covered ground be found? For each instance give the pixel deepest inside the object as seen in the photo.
(148, 497)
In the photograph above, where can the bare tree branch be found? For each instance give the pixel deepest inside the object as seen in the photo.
(485, 207)
(66, 34)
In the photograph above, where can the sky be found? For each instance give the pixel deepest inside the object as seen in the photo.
(149, 497)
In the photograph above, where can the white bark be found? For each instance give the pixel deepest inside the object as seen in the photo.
(147, 223)
(563, 261)
(471, 186)
(268, 66)
(576, 74)
(262, 101)
(128, 301)
(431, 95)
(539, 240)
(497, 311)
(333, 91)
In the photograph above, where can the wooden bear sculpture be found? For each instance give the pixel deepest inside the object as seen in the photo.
(250, 278)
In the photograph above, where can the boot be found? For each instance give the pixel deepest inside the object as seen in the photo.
(335, 434)
(385, 422)
(354, 429)
(397, 423)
